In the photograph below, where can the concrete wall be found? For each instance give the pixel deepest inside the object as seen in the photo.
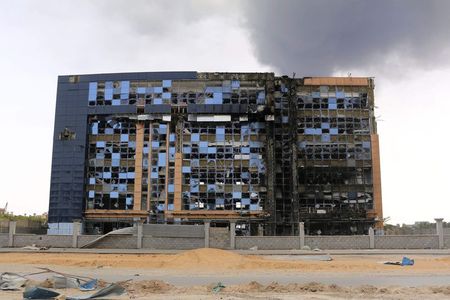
(268, 242)
(338, 242)
(407, 242)
(162, 230)
(117, 242)
(4, 240)
(447, 241)
(56, 241)
(219, 237)
(84, 239)
(172, 243)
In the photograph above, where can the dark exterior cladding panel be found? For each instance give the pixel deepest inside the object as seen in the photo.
(189, 75)
(66, 199)
(157, 109)
(217, 109)
(109, 110)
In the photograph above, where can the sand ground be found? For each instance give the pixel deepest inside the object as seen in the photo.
(193, 274)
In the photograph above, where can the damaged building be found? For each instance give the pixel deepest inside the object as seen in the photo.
(264, 151)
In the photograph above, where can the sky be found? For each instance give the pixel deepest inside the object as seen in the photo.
(404, 44)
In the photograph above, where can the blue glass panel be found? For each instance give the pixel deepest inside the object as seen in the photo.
(325, 125)
(114, 194)
(157, 101)
(325, 137)
(124, 137)
(167, 83)
(171, 188)
(186, 150)
(100, 144)
(309, 131)
(157, 89)
(91, 194)
(92, 91)
(107, 175)
(122, 175)
(95, 128)
(195, 137)
(166, 95)
(155, 144)
(211, 150)
(235, 84)
(140, 90)
(125, 87)
(130, 175)
(108, 90)
(333, 131)
(161, 159)
(237, 195)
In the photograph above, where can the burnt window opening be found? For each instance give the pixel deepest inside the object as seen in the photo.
(67, 135)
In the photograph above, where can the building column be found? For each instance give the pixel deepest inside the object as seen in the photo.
(232, 235)
(12, 232)
(206, 226)
(301, 234)
(76, 230)
(371, 238)
(140, 234)
(440, 232)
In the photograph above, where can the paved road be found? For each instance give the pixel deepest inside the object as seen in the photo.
(246, 252)
(183, 278)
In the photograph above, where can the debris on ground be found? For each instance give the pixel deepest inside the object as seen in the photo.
(11, 281)
(254, 248)
(317, 249)
(218, 287)
(110, 290)
(406, 261)
(33, 247)
(89, 286)
(39, 293)
(306, 247)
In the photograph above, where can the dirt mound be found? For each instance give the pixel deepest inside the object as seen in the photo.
(250, 287)
(148, 287)
(206, 258)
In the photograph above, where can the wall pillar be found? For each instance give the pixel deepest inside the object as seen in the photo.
(301, 234)
(207, 225)
(140, 234)
(76, 230)
(440, 232)
(371, 238)
(12, 232)
(232, 235)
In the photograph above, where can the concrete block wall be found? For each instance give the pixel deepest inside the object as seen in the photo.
(407, 242)
(219, 237)
(117, 241)
(172, 243)
(42, 240)
(84, 239)
(338, 242)
(268, 242)
(163, 230)
(447, 241)
(4, 240)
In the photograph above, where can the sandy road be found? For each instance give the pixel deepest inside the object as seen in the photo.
(190, 275)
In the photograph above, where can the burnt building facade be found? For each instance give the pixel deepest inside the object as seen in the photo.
(264, 151)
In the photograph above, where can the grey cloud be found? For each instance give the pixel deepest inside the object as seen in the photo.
(319, 37)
